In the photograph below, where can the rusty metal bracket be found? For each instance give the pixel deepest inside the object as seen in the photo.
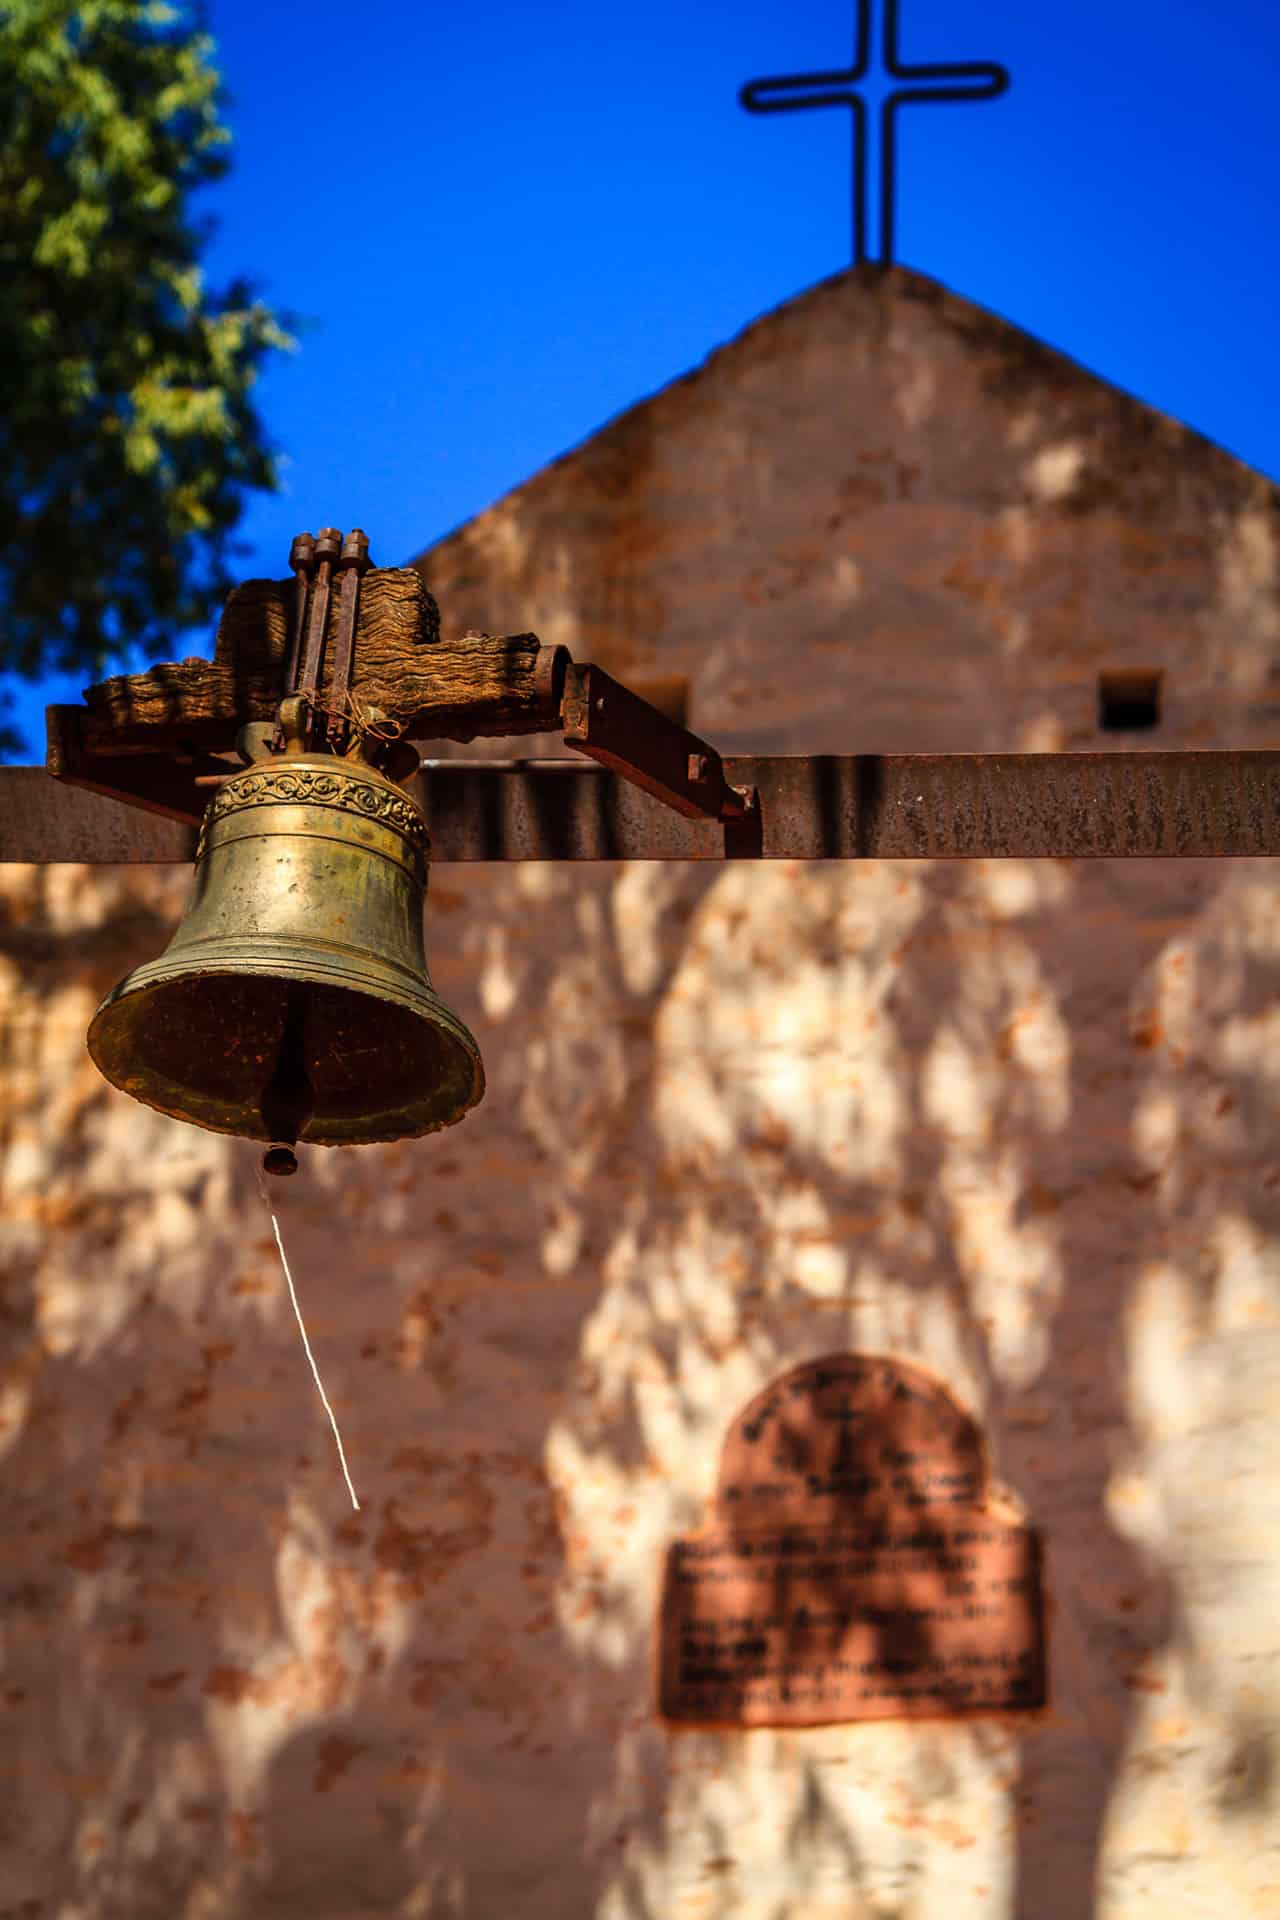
(328, 551)
(352, 564)
(302, 560)
(619, 730)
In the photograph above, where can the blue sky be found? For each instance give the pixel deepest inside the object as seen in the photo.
(505, 223)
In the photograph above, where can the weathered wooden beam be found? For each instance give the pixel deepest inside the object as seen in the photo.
(820, 807)
(458, 688)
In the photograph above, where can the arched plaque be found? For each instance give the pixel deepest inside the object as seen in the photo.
(856, 1569)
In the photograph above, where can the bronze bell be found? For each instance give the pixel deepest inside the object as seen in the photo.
(293, 1002)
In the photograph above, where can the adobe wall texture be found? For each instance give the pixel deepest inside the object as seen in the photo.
(1014, 1122)
(883, 520)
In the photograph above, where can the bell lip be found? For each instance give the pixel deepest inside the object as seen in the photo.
(329, 963)
(316, 1133)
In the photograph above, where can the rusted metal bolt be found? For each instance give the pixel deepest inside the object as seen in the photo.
(739, 802)
(699, 769)
(355, 549)
(301, 553)
(328, 544)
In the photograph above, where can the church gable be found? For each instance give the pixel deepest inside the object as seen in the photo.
(882, 518)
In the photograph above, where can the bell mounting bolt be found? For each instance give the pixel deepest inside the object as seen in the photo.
(328, 550)
(353, 561)
(314, 562)
(302, 557)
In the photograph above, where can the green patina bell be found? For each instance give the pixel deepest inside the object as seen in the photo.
(294, 1003)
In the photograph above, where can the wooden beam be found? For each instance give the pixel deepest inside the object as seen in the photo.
(435, 688)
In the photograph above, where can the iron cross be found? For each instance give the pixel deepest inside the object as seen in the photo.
(931, 82)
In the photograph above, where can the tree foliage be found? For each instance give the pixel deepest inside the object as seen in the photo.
(127, 430)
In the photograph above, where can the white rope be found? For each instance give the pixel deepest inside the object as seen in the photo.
(284, 1262)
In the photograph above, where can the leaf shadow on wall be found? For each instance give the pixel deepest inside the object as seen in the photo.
(949, 1115)
(1004, 1224)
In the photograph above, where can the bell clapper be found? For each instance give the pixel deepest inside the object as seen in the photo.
(289, 1097)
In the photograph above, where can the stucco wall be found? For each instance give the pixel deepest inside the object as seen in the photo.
(1015, 1122)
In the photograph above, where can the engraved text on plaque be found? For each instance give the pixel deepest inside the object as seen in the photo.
(855, 1570)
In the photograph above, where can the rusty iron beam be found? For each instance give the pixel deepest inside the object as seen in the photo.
(820, 807)
(43, 821)
(554, 810)
(1028, 806)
